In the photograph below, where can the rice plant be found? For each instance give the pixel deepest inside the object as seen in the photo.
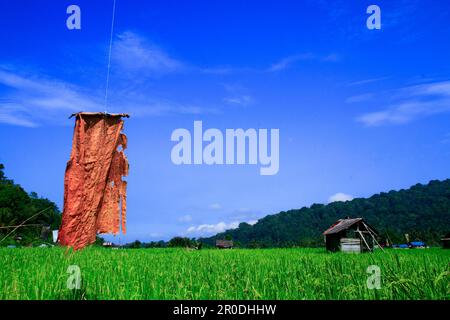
(42, 273)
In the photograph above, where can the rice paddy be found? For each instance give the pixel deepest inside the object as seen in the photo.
(42, 273)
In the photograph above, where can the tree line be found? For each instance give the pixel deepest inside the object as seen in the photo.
(18, 206)
(422, 212)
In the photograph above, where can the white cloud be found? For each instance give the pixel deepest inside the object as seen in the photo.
(237, 95)
(245, 214)
(404, 112)
(333, 57)
(48, 94)
(146, 106)
(340, 197)
(366, 81)
(437, 88)
(30, 100)
(218, 70)
(208, 229)
(8, 114)
(212, 229)
(185, 218)
(359, 98)
(413, 103)
(289, 61)
(215, 206)
(244, 100)
(134, 53)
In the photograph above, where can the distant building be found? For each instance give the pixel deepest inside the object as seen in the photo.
(446, 241)
(107, 244)
(224, 244)
(400, 246)
(350, 235)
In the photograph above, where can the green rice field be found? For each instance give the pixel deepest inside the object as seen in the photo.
(42, 273)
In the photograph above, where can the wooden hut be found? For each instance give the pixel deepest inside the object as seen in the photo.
(350, 235)
(446, 241)
(224, 244)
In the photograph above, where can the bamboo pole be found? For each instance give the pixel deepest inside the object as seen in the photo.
(373, 237)
(24, 223)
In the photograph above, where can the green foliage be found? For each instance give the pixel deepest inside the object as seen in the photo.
(135, 245)
(99, 241)
(154, 244)
(182, 243)
(16, 206)
(175, 273)
(423, 212)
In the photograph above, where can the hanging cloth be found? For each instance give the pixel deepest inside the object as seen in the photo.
(94, 192)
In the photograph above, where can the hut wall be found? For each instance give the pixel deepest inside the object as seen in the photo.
(351, 245)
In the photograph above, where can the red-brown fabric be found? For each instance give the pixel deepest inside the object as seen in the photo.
(94, 193)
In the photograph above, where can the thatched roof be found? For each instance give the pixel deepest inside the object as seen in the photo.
(224, 243)
(341, 224)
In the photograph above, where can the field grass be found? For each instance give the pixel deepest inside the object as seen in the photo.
(41, 273)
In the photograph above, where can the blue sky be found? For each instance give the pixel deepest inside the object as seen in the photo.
(359, 111)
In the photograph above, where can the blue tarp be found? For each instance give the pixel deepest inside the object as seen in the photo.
(413, 244)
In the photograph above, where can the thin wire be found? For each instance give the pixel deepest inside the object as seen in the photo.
(24, 222)
(109, 57)
(23, 225)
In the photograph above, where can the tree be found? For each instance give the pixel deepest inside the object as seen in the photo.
(16, 206)
(99, 241)
(180, 242)
(135, 245)
(2, 173)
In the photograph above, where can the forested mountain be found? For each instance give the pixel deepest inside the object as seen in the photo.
(16, 206)
(422, 211)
